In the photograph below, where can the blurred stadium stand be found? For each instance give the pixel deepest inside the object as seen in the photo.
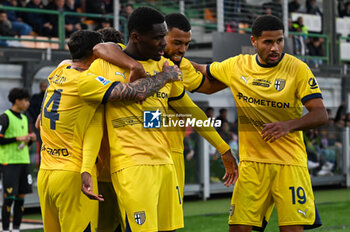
(220, 29)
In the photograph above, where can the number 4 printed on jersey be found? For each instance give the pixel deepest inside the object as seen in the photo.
(52, 114)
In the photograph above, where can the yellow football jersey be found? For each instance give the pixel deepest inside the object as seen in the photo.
(125, 119)
(192, 81)
(68, 106)
(264, 95)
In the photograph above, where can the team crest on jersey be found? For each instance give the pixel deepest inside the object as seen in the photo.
(140, 217)
(102, 80)
(151, 119)
(280, 84)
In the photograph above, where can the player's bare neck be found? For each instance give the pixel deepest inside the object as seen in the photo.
(133, 52)
(80, 66)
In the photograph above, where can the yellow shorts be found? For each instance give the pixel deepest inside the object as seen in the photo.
(260, 185)
(63, 205)
(179, 164)
(149, 198)
(108, 212)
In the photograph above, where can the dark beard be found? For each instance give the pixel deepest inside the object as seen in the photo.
(166, 55)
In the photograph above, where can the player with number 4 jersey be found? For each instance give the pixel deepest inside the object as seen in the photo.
(70, 103)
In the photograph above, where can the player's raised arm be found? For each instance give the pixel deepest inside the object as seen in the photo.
(145, 87)
(185, 105)
(112, 53)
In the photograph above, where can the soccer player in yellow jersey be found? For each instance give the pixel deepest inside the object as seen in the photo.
(108, 212)
(270, 89)
(142, 169)
(68, 107)
(178, 38)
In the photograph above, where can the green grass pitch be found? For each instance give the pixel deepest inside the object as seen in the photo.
(212, 215)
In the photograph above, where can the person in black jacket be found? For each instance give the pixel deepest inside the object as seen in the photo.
(38, 21)
(5, 28)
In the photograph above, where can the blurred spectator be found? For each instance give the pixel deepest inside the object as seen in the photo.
(321, 158)
(299, 40)
(104, 23)
(5, 25)
(267, 11)
(347, 120)
(38, 21)
(72, 23)
(188, 149)
(299, 26)
(228, 136)
(339, 124)
(33, 112)
(6, 30)
(346, 11)
(128, 9)
(315, 48)
(98, 6)
(294, 6)
(330, 118)
(57, 5)
(222, 116)
(35, 103)
(225, 132)
(275, 6)
(340, 112)
(312, 8)
(17, 23)
(209, 111)
(22, 3)
(110, 34)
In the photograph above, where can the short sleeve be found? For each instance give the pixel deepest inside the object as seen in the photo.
(222, 71)
(93, 85)
(122, 46)
(307, 87)
(177, 91)
(192, 79)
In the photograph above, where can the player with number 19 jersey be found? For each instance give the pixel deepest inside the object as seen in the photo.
(270, 172)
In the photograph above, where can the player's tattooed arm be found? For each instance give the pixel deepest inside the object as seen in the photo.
(145, 87)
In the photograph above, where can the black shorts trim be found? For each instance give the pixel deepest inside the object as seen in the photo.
(317, 222)
(263, 226)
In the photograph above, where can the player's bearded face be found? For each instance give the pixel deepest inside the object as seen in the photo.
(269, 46)
(152, 44)
(177, 44)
